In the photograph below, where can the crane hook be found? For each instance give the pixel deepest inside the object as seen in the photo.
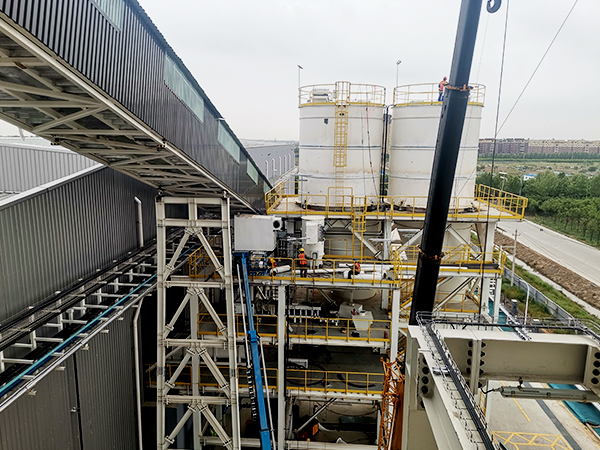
(492, 9)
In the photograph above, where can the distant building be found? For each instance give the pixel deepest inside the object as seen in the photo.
(32, 162)
(529, 176)
(274, 158)
(516, 146)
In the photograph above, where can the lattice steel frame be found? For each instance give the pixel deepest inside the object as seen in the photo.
(195, 348)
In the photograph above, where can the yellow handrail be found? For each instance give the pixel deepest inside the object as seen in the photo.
(265, 324)
(303, 380)
(339, 329)
(325, 94)
(486, 202)
(428, 93)
(297, 379)
(461, 259)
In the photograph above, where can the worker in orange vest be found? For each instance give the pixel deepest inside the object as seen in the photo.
(271, 263)
(303, 263)
(355, 269)
(441, 88)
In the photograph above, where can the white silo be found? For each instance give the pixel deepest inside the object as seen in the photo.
(415, 121)
(341, 129)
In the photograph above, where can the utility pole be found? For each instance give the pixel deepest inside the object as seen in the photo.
(512, 276)
(299, 69)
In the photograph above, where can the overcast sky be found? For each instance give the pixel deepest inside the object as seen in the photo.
(245, 55)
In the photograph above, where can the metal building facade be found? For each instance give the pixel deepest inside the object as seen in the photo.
(89, 405)
(24, 167)
(67, 231)
(116, 46)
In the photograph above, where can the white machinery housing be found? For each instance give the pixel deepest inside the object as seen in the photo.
(256, 233)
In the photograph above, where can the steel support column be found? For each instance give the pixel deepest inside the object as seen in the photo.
(197, 426)
(281, 397)
(395, 324)
(227, 275)
(195, 348)
(161, 250)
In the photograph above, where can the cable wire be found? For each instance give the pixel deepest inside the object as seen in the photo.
(487, 220)
(539, 64)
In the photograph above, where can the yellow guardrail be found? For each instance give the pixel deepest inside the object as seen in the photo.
(326, 94)
(199, 262)
(427, 93)
(502, 201)
(301, 380)
(344, 249)
(460, 259)
(499, 204)
(332, 270)
(460, 303)
(206, 377)
(340, 329)
(264, 324)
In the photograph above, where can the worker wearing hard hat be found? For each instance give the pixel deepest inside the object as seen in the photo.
(441, 88)
(303, 263)
(355, 268)
(271, 263)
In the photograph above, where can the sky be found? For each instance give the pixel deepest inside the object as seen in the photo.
(245, 53)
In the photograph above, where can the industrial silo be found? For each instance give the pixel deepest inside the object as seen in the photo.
(415, 121)
(341, 129)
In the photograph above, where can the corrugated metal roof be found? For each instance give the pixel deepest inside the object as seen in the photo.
(24, 166)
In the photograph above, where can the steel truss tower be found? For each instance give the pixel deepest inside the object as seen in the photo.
(194, 348)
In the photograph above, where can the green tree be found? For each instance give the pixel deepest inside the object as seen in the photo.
(595, 186)
(579, 186)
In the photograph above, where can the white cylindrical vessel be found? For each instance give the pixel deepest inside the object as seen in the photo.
(415, 122)
(341, 129)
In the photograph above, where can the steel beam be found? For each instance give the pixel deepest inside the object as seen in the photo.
(281, 325)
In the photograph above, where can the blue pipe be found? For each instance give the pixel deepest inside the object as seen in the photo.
(39, 363)
(252, 336)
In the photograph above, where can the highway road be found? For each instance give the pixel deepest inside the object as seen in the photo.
(570, 253)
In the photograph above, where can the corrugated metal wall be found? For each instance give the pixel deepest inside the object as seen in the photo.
(126, 59)
(44, 421)
(107, 389)
(24, 167)
(90, 405)
(64, 233)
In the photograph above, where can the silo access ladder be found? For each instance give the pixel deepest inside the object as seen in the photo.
(340, 138)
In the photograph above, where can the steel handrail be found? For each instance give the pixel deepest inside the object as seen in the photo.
(428, 93)
(325, 94)
(327, 329)
(306, 380)
(500, 204)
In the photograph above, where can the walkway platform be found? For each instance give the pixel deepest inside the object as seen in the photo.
(123, 99)
(487, 203)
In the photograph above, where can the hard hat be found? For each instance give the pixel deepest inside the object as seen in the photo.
(301, 249)
(445, 78)
(355, 259)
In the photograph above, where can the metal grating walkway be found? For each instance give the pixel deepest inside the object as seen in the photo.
(106, 85)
